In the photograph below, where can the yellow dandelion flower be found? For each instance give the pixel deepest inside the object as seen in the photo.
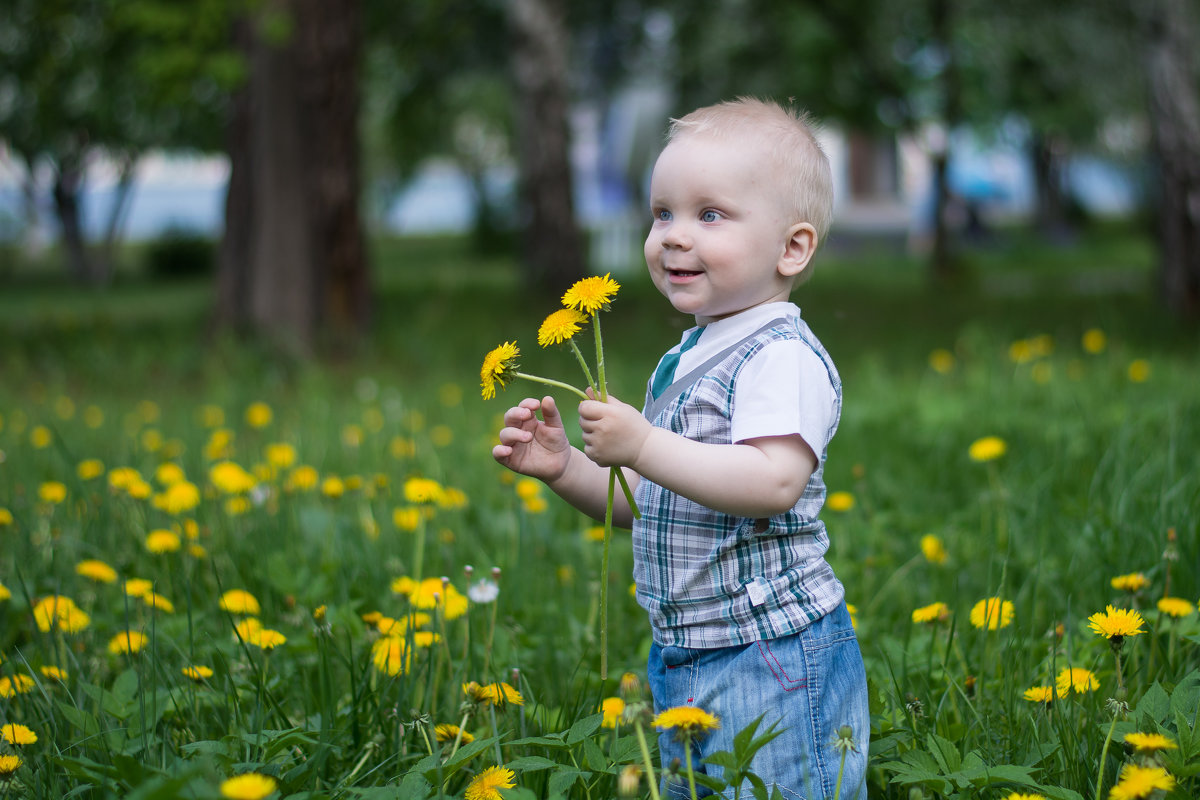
(594, 533)
(93, 416)
(247, 628)
(89, 469)
(446, 732)
(1116, 623)
(431, 593)
(452, 498)
(239, 601)
(266, 639)
(352, 435)
(248, 786)
(1136, 782)
(127, 642)
(591, 294)
(1149, 742)
(992, 613)
(57, 611)
(933, 549)
(560, 326)
(17, 684)
(52, 492)
(9, 764)
(687, 721)
(138, 587)
(1094, 341)
(53, 673)
(5, 594)
(1175, 606)
(391, 655)
(840, 501)
(163, 541)
(303, 478)
(422, 490)
(333, 486)
(1076, 679)
(40, 437)
(934, 612)
(1040, 694)
(1139, 370)
(989, 448)
(96, 570)
(612, 708)
(231, 478)
(197, 672)
(259, 415)
(407, 518)
(179, 498)
(280, 455)
(498, 367)
(158, 602)
(1022, 796)
(535, 505)
(6, 518)
(487, 784)
(18, 735)
(941, 361)
(211, 416)
(853, 611)
(1133, 582)
(123, 477)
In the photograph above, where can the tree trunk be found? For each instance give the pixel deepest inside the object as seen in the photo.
(106, 264)
(1051, 211)
(233, 258)
(943, 261)
(67, 182)
(1175, 122)
(553, 243)
(293, 262)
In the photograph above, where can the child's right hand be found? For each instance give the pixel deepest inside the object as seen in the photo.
(535, 447)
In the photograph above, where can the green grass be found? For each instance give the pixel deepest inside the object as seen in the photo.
(1100, 472)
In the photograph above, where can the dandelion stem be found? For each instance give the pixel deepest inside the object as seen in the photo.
(1104, 755)
(687, 754)
(458, 735)
(583, 363)
(837, 789)
(608, 514)
(650, 779)
(550, 382)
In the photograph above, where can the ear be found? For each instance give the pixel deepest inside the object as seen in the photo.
(798, 249)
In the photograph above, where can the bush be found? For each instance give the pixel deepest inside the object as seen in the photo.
(180, 254)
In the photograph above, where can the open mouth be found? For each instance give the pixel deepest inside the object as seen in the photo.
(682, 273)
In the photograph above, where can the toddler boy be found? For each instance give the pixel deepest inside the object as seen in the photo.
(727, 455)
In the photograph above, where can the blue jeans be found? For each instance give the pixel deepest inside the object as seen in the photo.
(811, 683)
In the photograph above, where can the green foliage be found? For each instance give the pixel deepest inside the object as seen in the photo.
(180, 254)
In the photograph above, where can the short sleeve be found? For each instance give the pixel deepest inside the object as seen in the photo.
(784, 389)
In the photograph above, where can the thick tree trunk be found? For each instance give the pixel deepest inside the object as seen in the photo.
(553, 243)
(293, 262)
(1175, 121)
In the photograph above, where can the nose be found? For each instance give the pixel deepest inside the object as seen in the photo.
(675, 236)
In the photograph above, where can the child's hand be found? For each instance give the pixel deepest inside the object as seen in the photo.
(613, 432)
(535, 447)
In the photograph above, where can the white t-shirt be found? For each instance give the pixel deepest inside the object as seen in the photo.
(783, 390)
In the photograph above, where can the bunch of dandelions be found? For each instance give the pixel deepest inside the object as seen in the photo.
(582, 303)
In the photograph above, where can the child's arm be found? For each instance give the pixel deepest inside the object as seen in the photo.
(757, 478)
(539, 448)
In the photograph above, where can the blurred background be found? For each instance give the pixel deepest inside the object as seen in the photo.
(282, 152)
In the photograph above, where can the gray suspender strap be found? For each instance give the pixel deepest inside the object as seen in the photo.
(655, 406)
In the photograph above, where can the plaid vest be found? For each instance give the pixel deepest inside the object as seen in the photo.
(709, 579)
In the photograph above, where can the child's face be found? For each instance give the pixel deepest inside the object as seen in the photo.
(720, 231)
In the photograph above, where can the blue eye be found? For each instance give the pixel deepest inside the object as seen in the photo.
(662, 215)
(709, 216)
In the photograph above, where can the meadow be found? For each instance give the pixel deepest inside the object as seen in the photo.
(311, 578)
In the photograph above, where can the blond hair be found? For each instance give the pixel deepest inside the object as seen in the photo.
(792, 146)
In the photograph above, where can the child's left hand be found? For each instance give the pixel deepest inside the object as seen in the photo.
(613, 432)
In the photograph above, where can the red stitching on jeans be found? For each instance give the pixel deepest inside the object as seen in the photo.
(777, 669)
